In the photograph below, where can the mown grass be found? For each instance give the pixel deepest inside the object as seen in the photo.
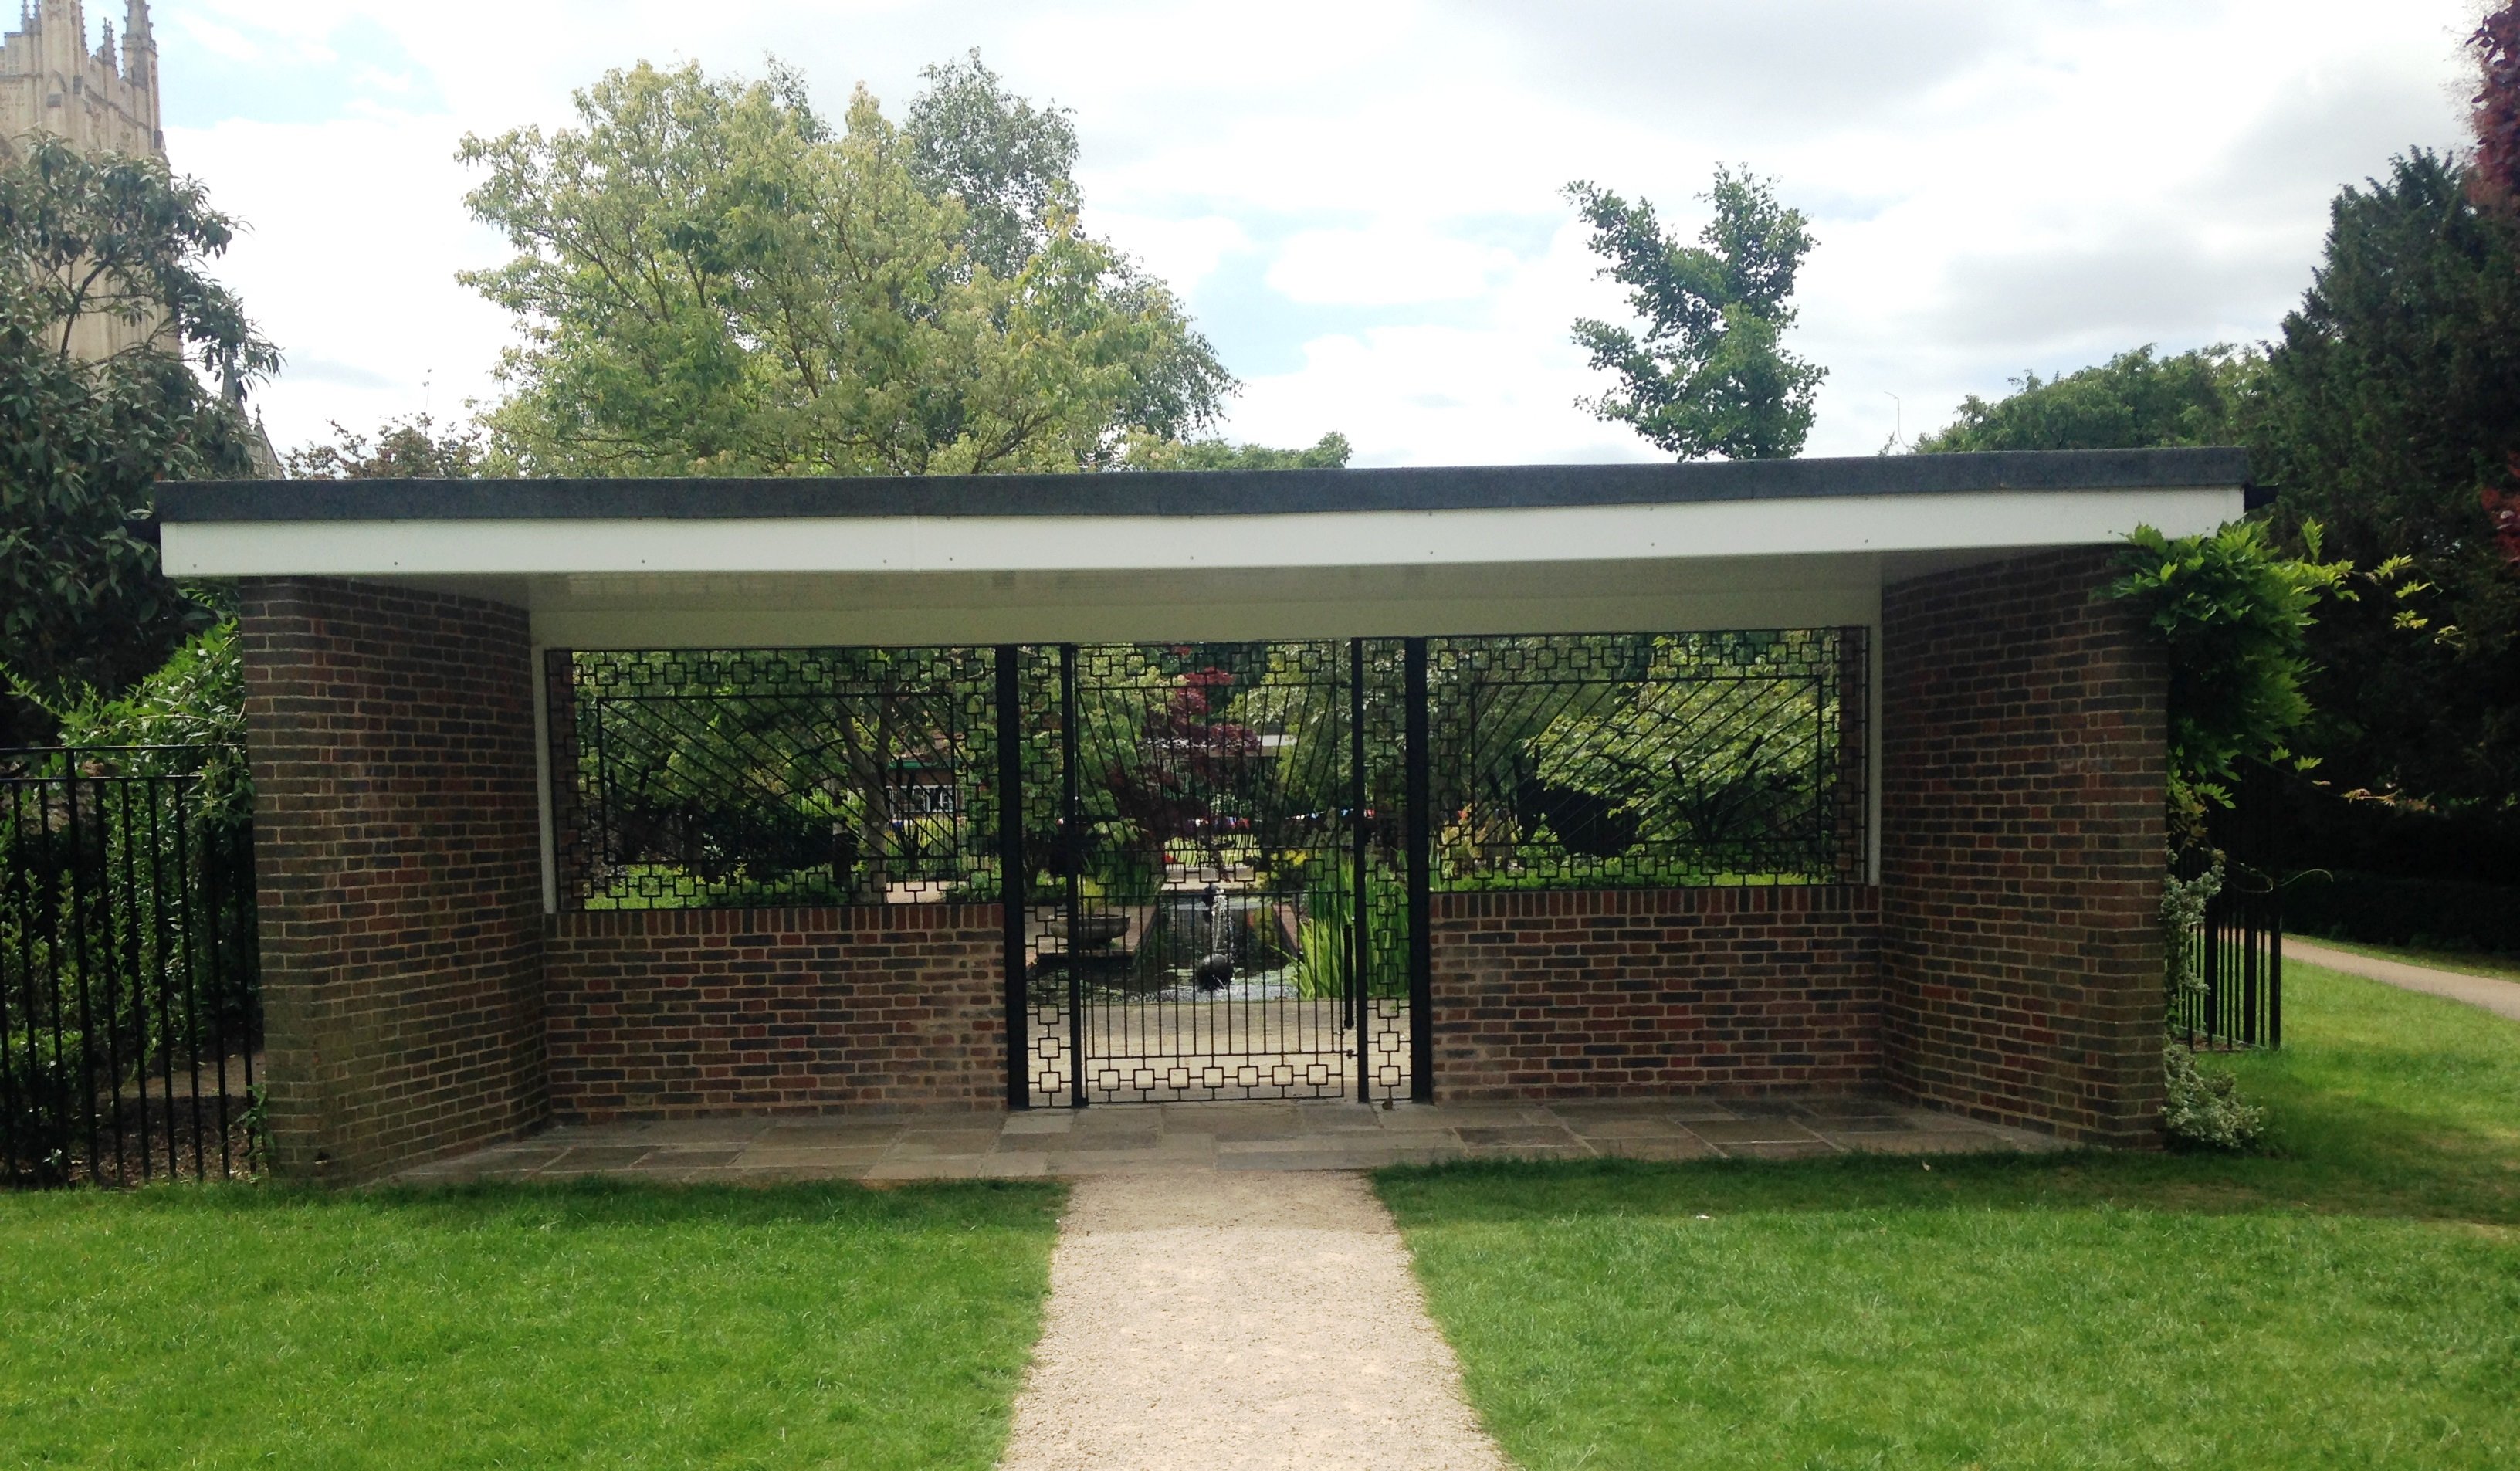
(2351, 1299)
(588, 1325)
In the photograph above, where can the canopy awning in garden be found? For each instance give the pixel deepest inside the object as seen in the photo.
(1196, 556)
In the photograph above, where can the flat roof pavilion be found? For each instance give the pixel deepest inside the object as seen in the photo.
(510, 875)
(1196, 556)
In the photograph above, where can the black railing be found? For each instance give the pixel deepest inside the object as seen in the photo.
(130, 1021)
(2235, 957)
(770, 777)
(1636, 760)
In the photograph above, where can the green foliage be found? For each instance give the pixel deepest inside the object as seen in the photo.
(2200, 1110)
(1149, 452)
(1719, 763)
(713, 281)
(1010, 166)
(2134, 400)
(2392, 398)
(413, 449)
(192, 706)
(47, 1070)
(88, 248)
(1708, 376)
(2234, 614)
(2203, 1110)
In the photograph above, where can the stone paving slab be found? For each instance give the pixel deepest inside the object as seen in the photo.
(1228, 1137)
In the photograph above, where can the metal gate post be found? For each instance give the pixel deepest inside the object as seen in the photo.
(1014, 886)
(1359, 928)
(1071, 853)
(1422, 949)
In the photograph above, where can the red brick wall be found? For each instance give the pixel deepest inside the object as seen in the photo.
(2023, 725)
(675, 1013)
(1609, 994)
(398, 854)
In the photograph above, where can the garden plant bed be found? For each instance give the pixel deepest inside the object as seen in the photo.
(2349, 1300)
(542, 1325)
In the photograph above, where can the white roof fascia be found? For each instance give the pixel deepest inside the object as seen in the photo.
(1969, 522)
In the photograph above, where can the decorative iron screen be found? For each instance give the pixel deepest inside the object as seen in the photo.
(1647, 761)
(737, 778)
(802, 776)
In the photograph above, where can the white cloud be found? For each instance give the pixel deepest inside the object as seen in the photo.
(1390, 265)
(1360, 199)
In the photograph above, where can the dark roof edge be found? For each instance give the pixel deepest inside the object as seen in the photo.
(1218, 492)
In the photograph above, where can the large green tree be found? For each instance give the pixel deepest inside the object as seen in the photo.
(1707, 374)
(714, 280)
(86, 438)
(2134, 401)
(2392, 396)
(2385, 415)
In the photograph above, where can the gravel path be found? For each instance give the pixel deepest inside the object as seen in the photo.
(1220, 1321)
(2502, 997)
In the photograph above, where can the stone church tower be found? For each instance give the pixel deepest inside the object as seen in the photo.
(101, 101)
(98, 102)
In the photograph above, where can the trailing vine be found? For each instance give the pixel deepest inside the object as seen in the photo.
(2233, 614)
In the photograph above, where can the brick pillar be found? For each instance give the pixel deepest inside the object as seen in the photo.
(2024, 745)
(398, 844)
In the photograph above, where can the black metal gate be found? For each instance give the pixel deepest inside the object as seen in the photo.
(129, 1019)
(1223, 906)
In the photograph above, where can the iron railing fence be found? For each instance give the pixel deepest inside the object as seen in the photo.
(2236, 956)
(130, 1016)
(770, 777)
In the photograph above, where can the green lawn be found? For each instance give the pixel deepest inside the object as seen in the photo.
(519, 1327)
(2353, 1300)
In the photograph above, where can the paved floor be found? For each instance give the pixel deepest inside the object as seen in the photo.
(1153, 1139)
(1222, 1322)
(2499, 996)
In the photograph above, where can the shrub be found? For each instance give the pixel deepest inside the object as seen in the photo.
(2205, 1110)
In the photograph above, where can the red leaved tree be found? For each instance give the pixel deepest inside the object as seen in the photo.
(2493, 182)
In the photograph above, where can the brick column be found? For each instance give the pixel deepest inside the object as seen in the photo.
(398, 846)
(2024, 735)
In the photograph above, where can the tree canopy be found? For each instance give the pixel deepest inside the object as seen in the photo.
(415, 449)
(2387, 416)
(714, 280)
(2134, 401)
(1708, 376)
(1330, 452)
(2392, 396)
(84, 440)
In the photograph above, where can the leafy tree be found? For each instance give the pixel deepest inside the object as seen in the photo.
(2392, 396)
(2494, 179)
(1010, 166)
(86, 244)
(1330, 452)
(2234, 614)
(2134, 400)
(1708, 376)
(410, 448)
(713, 281)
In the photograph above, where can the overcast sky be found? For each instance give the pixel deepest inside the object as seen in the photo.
(1359, 198)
